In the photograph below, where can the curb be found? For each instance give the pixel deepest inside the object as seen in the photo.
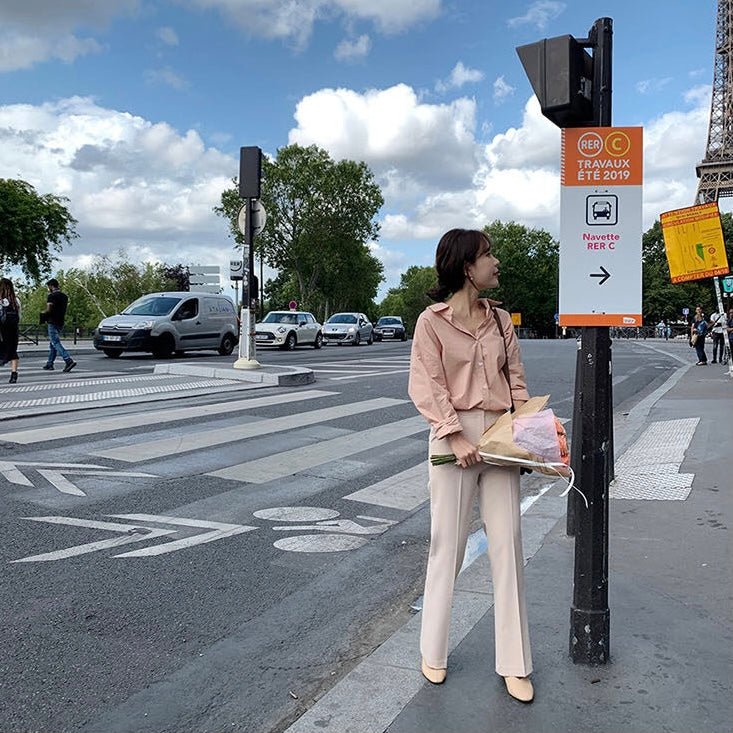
(269, 375)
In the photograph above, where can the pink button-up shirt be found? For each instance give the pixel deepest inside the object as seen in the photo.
(452, 369)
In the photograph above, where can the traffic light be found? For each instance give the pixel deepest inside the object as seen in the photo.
(560, 71)
(250, 172)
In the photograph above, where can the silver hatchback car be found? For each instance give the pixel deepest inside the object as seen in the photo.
(348, 328)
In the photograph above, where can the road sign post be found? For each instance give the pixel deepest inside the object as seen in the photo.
(251, 220)
(589, 271)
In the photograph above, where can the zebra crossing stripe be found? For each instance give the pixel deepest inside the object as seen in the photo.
(115, 393)
(156, 417)
(287, 463)
(218, 436)
(406, 490)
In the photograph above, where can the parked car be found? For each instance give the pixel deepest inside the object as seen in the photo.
(162, 323)
(390, 327)
(348, 328)
(288, 329)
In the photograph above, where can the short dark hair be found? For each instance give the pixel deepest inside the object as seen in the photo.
(456, 249)
(52, 283)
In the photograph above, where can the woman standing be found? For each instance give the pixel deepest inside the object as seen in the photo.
(465, 371)
(9, 323)
(697, 334)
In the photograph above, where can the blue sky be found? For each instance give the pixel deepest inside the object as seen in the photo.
(136, 109)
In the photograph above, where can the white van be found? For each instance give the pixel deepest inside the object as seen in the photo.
(163, 323)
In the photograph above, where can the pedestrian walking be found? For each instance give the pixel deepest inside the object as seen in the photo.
(729, 329)
(56, 304)
(9, 327)
(466, 371)
(718, 332)
(698, 330)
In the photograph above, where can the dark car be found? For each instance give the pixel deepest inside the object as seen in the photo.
(390, 327)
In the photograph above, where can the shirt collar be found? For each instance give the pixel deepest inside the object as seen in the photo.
(488, 303)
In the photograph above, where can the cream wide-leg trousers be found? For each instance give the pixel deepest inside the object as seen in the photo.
(453, 491)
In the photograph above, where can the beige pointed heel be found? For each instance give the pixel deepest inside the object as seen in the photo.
(431, 674)
(520, 688)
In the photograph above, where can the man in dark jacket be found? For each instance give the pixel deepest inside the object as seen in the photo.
(54, 315)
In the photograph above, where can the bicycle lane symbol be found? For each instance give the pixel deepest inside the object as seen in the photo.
(326, 532)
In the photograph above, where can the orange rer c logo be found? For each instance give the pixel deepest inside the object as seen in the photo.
(617, 144)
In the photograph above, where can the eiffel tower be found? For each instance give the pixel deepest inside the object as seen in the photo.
(716, 170)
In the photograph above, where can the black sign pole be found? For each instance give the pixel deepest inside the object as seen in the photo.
(593, 427)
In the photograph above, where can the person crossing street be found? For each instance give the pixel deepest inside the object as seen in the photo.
(54, 315)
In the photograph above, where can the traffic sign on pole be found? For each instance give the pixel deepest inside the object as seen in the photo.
(600, 226)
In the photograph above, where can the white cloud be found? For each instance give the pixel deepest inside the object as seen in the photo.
(502, 90)
(131, 183)
(458, 77)
(353, 50)
(166, 76)
(539, 14)
(168, 36)
(429, 145)
(646, 86)
(293, 21)
(34, 31)
(21, 51)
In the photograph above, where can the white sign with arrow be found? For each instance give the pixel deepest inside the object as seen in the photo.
(600, 227)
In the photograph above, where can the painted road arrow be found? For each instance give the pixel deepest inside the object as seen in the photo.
(136, 533)
(604, 275)
(55, 474)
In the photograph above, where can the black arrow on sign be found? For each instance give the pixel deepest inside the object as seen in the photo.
(603, 275)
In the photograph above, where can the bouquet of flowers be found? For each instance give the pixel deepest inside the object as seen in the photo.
(530, 437)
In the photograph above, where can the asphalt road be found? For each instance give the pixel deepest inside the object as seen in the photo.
(120, 616)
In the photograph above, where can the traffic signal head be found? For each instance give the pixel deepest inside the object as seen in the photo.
(560, 71)
(250, 172)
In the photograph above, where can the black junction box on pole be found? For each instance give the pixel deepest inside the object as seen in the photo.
(574, 90)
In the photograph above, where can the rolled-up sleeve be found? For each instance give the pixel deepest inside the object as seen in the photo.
(514, 359)
(427, 384)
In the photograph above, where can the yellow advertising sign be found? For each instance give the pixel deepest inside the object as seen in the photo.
(517, 319)
(693, 239)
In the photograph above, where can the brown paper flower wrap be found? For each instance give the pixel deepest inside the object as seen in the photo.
(497, 444)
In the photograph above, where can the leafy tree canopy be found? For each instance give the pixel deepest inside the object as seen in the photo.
(409, 299)
(528, 274)
(32, 227)
(107, 286)
(320, 218)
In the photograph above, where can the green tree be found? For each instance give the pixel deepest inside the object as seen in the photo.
(662, 299)
(320, 217)
(409, 299)
(32, 227)
(528, 281)
(106, 286)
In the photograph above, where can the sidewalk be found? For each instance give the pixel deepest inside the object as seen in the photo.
(670, 581)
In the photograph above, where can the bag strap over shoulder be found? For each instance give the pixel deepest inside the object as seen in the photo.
(505, 367)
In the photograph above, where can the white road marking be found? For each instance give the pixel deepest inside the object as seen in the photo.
(296, 514)
(74, 383)
(54, 473)
(218, 436)
(116, 393)
(137, 533)
(287, 463)
(132, 534)
(320, 543)
(406, 490)
(219, 530)
(347, 526)
(367, 374)
(649, 469)
(154, 417)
